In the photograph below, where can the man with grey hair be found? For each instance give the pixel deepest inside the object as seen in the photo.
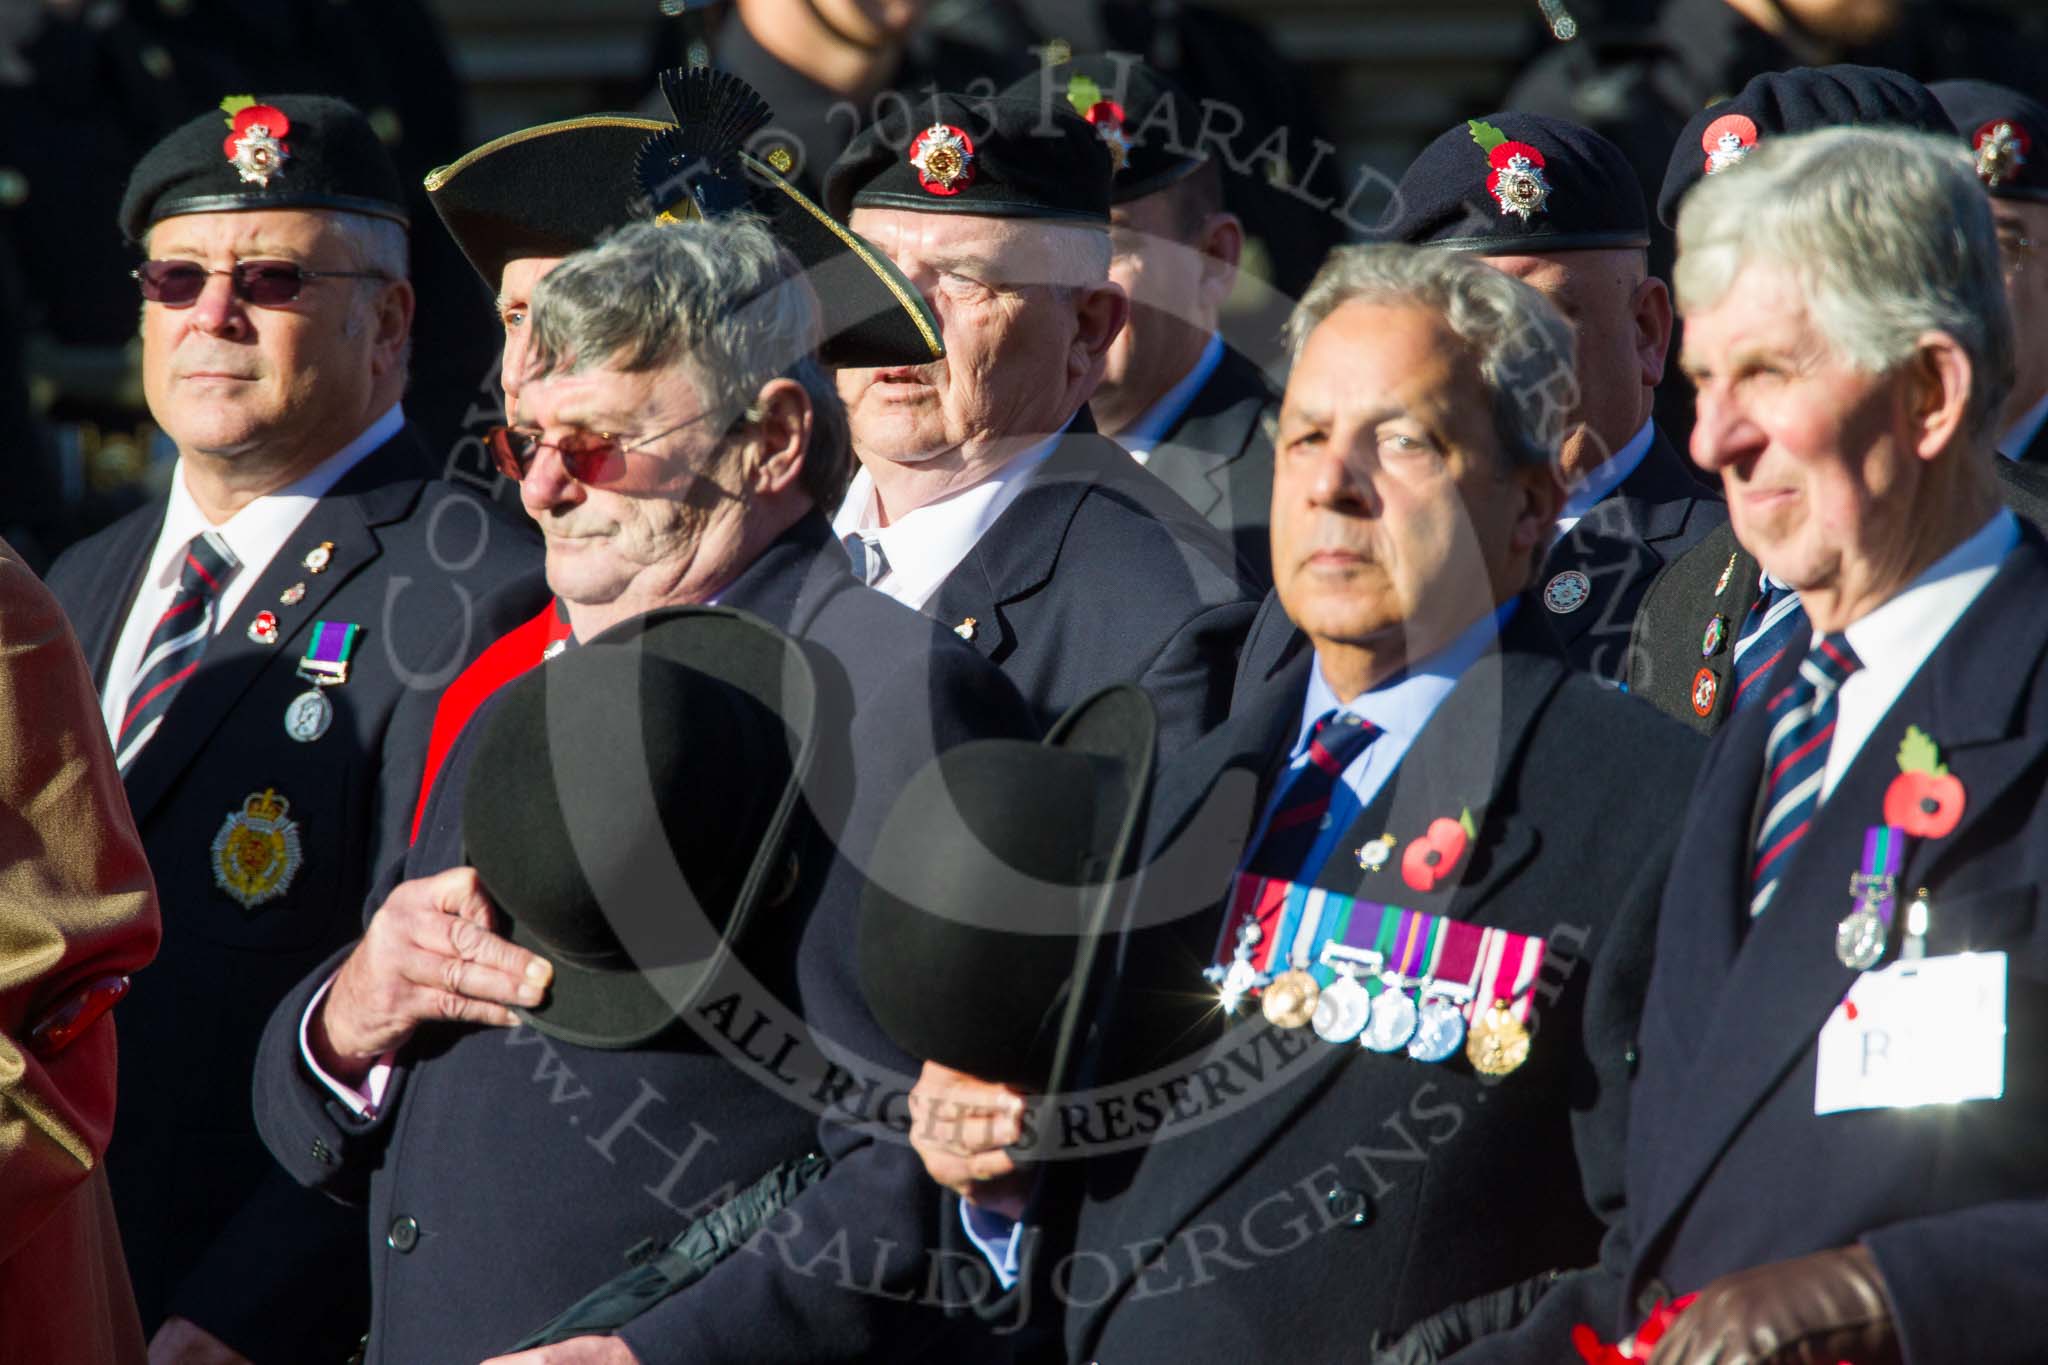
(1409, 880)
(675, 441)
(1832, 1149)
(253, 633)
(985, 497)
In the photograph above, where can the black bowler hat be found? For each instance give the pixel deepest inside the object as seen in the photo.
(1149, 123)
(1777, 103)
(632, 810)
(1001, 157)
(560, 187)
(273, 152)
(1515, 184)
(2005, 130)
(992, 835)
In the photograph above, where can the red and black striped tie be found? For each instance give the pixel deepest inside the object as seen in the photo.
(176, 642)
(1337, 740)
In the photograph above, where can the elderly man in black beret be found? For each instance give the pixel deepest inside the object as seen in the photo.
(985, 497)
(252, 634)
(1556, 206)
(676, 443)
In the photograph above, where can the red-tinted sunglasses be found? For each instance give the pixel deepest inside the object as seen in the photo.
(265, 284)
(592, 457)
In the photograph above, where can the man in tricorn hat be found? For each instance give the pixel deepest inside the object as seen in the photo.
(253, 633)
(1556, 206)
(985, 497)
(676, 442)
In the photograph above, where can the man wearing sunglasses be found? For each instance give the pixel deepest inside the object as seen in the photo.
(252, 633)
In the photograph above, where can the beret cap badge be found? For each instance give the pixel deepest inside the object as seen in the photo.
(255, 146)
(1726, 141)
(2002, 149)
(943, 157)
(1516, 181)
(1106, 115)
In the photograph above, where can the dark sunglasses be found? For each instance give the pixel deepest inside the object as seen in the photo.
(592, 457)
(265, 284)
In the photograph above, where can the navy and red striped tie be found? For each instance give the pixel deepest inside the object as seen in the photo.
(1766, 631)
(1795, 761)
(176, 642)
(1336, 741)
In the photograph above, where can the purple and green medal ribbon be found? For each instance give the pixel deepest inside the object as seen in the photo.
(1883, 854)
(327, 651)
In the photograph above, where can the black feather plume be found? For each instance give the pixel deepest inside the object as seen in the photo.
(698, 160)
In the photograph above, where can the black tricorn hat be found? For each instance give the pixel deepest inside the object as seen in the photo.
(1801, 100)
(1001, 158)
(1516, 184)
(632, 806)
(1149, 123)
(2005, 130)
(993, 887)
(273, 152)
(560, 187)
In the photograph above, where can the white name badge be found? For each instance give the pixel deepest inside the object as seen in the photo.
(1930, 1031)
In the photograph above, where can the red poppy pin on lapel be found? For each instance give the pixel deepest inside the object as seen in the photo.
(1431, 859)
(1925, 799)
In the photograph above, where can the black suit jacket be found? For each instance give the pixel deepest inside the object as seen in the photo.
(1728, 1166)
(1235, 1233)
(1621, 546)
(1098, 574)
(213, 1230)
(1219, 457)
(508, 1173)
(1717, 577)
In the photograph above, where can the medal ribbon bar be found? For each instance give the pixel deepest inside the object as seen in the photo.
(326, 661)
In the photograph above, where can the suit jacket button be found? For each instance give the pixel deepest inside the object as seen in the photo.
(1630, 1057)
(404, 1234)
(1348, 1206)
(322, 1153)
(1654, 1293)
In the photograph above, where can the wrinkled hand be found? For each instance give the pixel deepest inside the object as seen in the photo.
(1818, 1310)
(959, 1128)
(574, 1351)
(429, 954)
(181, 1341)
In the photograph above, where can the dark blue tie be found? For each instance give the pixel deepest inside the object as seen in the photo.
(1772, 622)
(1336, 741)
(177, 640)
(1795, 760)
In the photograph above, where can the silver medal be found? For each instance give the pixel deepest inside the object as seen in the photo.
(1860, 939)
(309, 715)
(1439, 1030)
(1392, 1023)
(1342, 1010)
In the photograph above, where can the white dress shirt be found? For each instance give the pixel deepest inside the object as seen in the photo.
(1152, 425)
(2014, 443)
(923, 546)
(1603, 479)
(255, 535)
(1895, 640)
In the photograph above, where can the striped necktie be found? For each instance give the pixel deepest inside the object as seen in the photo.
(869, 563)
(1336, 741)
(1769, 627)
(1795, 760)
(176, 642)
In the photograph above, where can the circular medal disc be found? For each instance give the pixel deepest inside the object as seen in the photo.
(1499, 1042)
(1290, 1001)
(1342, 1011)
(1392, 1023)
(1439, 1032)
(1859, 940)
(309, 715)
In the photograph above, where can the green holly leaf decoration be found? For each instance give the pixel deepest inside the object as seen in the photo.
(1083, 93)
(1485, 134)
(235, 104)
(1918, 753)
(1468, 824)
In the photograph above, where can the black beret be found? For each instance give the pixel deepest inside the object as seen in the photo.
(1143, 117)
(277, 152)
(589, 822)
(1002, 157)
(1513, 184)
(1796, 101)
(560, 187)
(2005, 129)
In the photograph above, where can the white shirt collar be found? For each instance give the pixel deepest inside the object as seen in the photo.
(923, 546)
(2015, 442)
(1152, 425)
(1604, 478)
